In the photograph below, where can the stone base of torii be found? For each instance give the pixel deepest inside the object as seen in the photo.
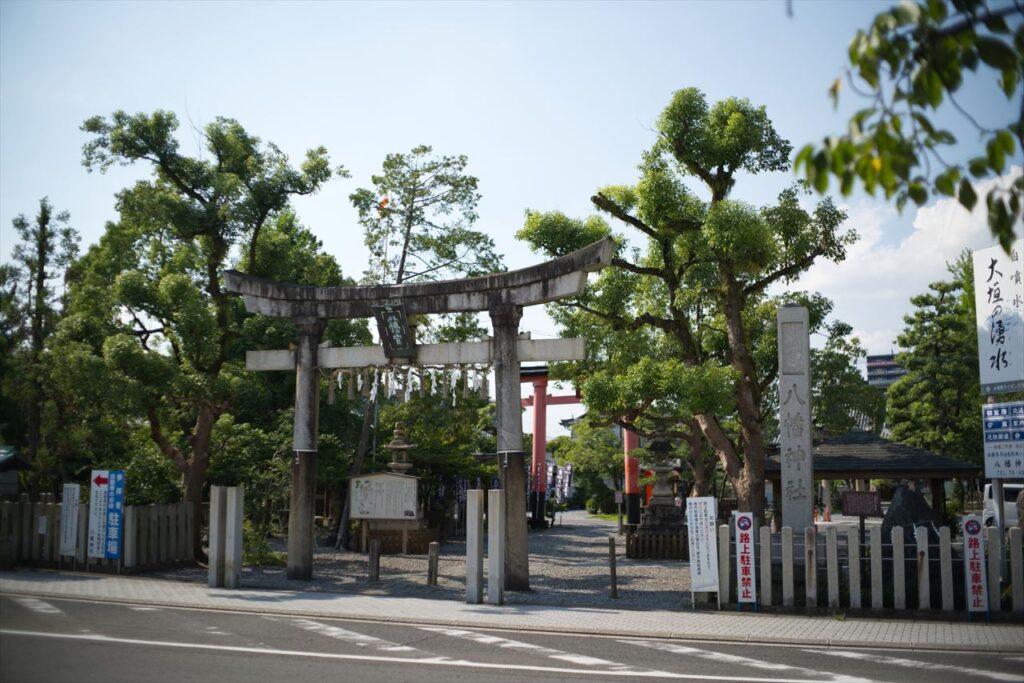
(502, 295)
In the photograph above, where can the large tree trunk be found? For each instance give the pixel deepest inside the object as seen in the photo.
(695, 461)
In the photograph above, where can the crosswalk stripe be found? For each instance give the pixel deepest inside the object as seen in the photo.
(37, 605)
(915, 664)
(725, 658)
(347, 636)
(506, 643)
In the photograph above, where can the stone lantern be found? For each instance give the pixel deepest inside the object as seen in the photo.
(399, 450)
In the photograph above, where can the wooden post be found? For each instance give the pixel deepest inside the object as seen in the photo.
(766, 566)
(83, 537)
(946, 568)
(787, 567)
(832, 560)
(899, 569)
(877, 595)
(811, 567)
(433, 555)
(924, 588)
(374, 563)
(613, 591)
(1017, 568)
(853, 557)
(152, 512)
(474, 546)
(190, 513)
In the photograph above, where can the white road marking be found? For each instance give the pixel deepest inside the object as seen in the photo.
(359, 639)
(215, 631)
(432, 661)
(485, 639)
(37, 605)
(725, 658)
(145, 609)
(915, 664)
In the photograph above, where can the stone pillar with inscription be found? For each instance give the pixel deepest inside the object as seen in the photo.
(795, 418)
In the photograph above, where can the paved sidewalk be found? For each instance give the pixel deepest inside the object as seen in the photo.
(723, 626)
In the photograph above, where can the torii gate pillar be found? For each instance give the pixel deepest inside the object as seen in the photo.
(511, 459)
(304, 445)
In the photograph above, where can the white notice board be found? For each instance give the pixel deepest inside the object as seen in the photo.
(384, 496)
(700, 525)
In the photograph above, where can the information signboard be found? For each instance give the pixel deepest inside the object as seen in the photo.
(975, 576)
(384, 496)
(999, 299)
(700, 523)
(746, 578)
(106, 513)
(862, 503)
(69, 519)
(1003, 429)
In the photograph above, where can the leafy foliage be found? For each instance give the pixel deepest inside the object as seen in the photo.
(908, 63)
(672, 323)
(936, 404)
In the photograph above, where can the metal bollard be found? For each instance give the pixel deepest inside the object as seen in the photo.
(374, 561)
(614, 592)
(433, 553)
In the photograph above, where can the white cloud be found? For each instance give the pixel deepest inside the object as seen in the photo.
(872, 287)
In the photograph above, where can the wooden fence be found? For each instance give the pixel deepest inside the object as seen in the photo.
(659, 545)
(154, 536)
(904, 574)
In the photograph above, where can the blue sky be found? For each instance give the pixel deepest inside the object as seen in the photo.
(548, 100)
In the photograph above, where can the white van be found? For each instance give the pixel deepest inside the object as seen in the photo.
(1010, 492)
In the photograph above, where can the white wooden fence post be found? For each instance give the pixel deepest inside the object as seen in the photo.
(1017, 568)
(994, 549)
(787, 567)
(218, 508)
(924, 586)
(877, 595)
(811, 567)
(233, 535)
(496, 534)
(899, 570)
(832, 558)
(766, 565)
(946, 568)
(853, 557)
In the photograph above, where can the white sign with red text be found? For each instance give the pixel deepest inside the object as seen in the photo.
(975, 576)
(746, 582)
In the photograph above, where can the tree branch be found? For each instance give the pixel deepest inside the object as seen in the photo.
(606, 204)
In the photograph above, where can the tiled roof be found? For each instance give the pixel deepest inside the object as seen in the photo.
(861, 455)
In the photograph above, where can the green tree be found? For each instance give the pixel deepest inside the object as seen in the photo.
(48, 247)
(703, 264)
(936, 404)
(842, 398)
(150, 304)
(906, 64)
(595, 453)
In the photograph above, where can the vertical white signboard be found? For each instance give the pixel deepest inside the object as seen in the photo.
(975, 576)
(999, 298)
(700, 523)
(69, 519)
(746, 580)
(98, 490)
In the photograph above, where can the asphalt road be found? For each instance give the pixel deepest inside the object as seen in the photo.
(66, 641)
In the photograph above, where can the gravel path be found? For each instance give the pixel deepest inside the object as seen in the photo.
(568, 567)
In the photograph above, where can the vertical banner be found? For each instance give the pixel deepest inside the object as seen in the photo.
(69, 519)
(999, 298)
(700, 523)
(106, 512)
(746, 580)
(975, 576)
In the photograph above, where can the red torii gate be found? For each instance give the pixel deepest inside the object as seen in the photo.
(541, 399)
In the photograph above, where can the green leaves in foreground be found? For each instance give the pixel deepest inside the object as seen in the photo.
(911, 60)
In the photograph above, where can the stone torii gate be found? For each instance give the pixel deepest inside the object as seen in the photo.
(502, 295)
